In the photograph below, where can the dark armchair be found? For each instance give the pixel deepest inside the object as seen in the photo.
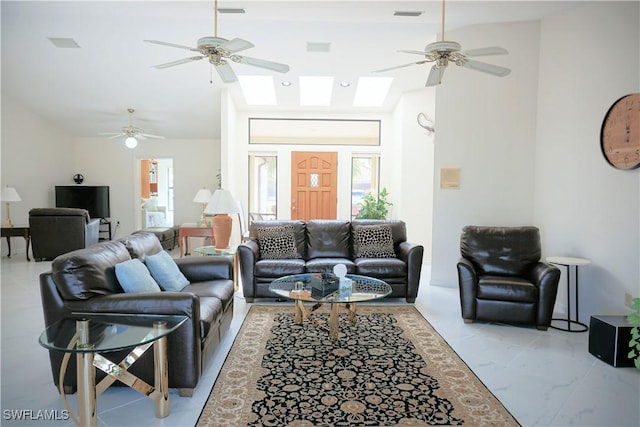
(56, 231)
(502, 279)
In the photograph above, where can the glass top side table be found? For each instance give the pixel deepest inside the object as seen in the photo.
(89, 334)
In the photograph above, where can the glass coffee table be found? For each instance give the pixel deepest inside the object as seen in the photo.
(317, 288)
(87, 335)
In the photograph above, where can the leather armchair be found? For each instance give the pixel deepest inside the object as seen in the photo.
(56, 231)
(502, 279)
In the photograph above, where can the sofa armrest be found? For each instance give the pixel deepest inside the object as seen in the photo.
(411, 254)
(467, 283)
(205, 268)
(545, 277)
(249, 254)
(169, 303)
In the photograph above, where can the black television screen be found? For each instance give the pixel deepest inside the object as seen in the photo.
(95, 199)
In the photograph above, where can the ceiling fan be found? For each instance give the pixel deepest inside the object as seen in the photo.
(220, 51)
(443, 52)
(131, 133)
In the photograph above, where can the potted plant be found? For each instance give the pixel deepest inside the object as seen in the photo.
(634, 342)
(374, 207)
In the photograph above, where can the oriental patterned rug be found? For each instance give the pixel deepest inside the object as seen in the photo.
(390, 368)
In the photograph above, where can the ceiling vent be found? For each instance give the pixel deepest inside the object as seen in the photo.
(318, 47)
(407, 13)
(64, 43)
(230, 10)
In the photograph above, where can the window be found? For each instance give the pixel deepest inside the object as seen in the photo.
(263, 200)
(365, 176)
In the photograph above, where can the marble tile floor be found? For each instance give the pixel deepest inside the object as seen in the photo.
(542, 378)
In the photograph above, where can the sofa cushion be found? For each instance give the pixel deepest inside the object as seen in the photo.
(140, 245)
(210, 312)
(373, 241)
(279, 267)
(502, 288)
(89, 272)
(134, 277)
(322, 265)
(328, 239)
(277, 242)
(165, 272)
(381, 268)
(220, 289)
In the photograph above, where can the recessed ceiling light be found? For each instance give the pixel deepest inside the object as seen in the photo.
(345, 84)
(286, 83)
(64, 43)
(371, 91)
(407, 13)
(315, 90)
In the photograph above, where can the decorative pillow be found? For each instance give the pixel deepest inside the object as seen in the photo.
(373, 241)
(166, 272)
(134, 277)
(277, 242)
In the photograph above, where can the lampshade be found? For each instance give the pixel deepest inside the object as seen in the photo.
(222, 202)
(202, 196)
(9, 194)
(131, 142)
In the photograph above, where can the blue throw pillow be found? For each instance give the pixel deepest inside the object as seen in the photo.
(166, 272)
(134, 277)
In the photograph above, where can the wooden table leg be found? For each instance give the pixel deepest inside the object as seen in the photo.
(333, 321)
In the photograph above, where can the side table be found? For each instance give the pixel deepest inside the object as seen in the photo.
(232, 252)
(20, 231)
(90, 334)
(191, 230)
(569, 262)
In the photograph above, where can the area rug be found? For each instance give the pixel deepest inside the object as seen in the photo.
(389, 368)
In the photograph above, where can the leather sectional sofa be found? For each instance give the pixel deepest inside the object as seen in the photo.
(316, 246)
(85, 281)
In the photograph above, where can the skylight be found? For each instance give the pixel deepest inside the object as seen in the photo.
(371, 91)
(258, 90)
(315, 90)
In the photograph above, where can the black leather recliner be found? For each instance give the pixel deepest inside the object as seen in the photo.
(502, 279)
(56, 231)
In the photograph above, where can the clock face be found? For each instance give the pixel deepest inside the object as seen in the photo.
(620, 134)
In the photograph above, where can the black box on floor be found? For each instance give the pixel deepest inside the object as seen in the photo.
(609, 340)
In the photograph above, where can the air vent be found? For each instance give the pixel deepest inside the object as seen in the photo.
(64, 43)
(231, 10)
(407, 13)
(318, 47)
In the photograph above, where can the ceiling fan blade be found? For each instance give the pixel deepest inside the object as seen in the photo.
(435, 76)
(486, 68)
(269, 65)
(113, 135)
(400, 66)
(415, 52)
(178, 62)
(226, 73)
(179, 46)
(235, 45)
(485, 51)
(146, 135)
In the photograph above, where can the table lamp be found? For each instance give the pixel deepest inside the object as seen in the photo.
(203, 196)
(221, 205)
(9, 194)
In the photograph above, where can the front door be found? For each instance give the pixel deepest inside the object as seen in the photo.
(314, 182)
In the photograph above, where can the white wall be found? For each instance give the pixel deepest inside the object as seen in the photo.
(485, 126)
(588, 59)
(102, 162)
(33, 154)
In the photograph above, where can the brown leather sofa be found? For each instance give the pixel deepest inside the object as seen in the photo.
(85, 281)
(502, 279)
(321, 244)
(55, 231)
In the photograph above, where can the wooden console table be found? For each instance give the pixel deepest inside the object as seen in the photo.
(191, 230)
(20, 231)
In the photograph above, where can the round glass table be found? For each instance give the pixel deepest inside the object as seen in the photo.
(322, 288)
(89, 334)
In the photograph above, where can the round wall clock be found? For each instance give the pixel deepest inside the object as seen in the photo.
(620, 133)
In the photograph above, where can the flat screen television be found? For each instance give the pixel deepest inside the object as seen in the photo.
(95, 199)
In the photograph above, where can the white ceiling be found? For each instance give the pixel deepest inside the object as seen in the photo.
(87, 91)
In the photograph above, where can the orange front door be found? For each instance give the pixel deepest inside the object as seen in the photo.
(314, 185)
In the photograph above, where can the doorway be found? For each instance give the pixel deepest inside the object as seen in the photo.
(314, 185)
(156, 208)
